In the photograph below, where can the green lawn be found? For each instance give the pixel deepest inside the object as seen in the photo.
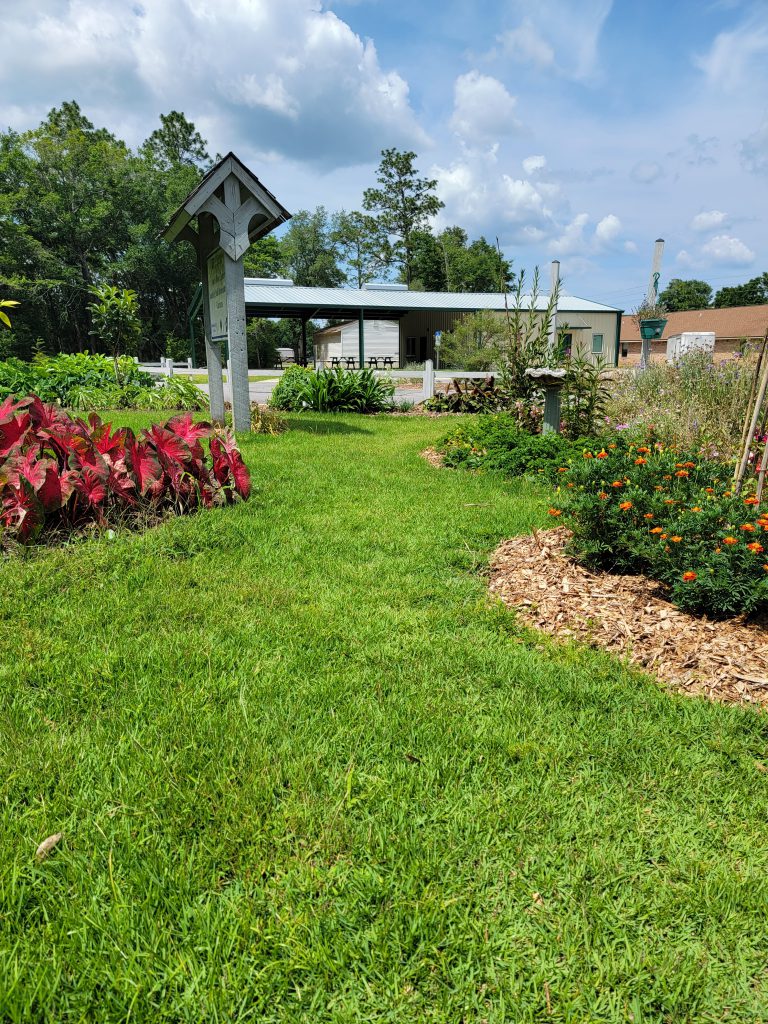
(306, 772)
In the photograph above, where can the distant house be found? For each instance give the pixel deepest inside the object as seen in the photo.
(732, 328)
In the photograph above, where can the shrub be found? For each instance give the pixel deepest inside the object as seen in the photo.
(332, 391)
(471, 396)
(647, 508)
(83, 382)
(60, 474)
(498, 443)
(288, 390)
(267, 421)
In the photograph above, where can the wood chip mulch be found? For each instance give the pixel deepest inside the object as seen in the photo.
(432, 457)
(724, 661)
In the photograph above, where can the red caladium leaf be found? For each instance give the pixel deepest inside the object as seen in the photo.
(191, 432)
(22, 513)
(8, 407)
(122, 486)
(142, 463)
(56, 488)
(228, 460)
(171, 449)
(12, 432)
(28, 465)
(91, 486)
(48, 418)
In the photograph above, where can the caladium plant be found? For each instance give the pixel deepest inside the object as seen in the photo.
(59, 473)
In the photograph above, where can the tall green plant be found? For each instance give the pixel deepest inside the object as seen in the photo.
(115, 317)
(526, 340)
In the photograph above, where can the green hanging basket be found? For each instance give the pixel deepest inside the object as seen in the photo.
(652, 330)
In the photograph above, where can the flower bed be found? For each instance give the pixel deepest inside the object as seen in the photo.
(652, 509)
(59, 474)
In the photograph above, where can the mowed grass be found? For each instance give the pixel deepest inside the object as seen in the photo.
(305, 771)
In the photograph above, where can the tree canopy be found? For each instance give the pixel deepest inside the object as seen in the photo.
(751, 293)
(403, 204)
(680, 295)
(80, 210)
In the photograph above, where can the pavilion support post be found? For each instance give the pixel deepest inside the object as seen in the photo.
(303, 341)
(361, 338)
(212, 349)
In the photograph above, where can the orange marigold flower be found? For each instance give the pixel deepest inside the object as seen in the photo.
(602, 495)
(766, 568)
(689, 576)
(726, 494)
(695, 509)
(643, 450)
(664, 537)
(640, 461)
(709, 490)
(670, 501)
(667, 476)
(625, 506)
(617, 483)
(611, 445)
(602, 454)
(648, 515)
(657, 529)
(587, 455)
(555, 511)
(570, 485)
(659, 487)
(747, 528)
(563, 469)
(718, 551)
(682, 473)
(730, 540)
(676, 539)
(756, 546)
(751, 500)
(689, 465)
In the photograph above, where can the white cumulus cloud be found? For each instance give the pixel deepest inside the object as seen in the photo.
(283, 78)
(708, 220)
(533, 164)
(728, 250)
(483, 108)
(607, 230)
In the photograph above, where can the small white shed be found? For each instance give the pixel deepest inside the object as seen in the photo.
(679, 345)
(382, 339)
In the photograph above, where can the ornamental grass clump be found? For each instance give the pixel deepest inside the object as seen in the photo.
(59, 475)
(695, 403)
(648, 508)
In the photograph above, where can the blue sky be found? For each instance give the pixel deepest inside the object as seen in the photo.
(573, 130)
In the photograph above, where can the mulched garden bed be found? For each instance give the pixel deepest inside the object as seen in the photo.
(724, 661)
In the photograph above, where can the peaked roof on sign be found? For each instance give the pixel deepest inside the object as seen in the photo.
(229, 164)
(278, 299)
(729, 322)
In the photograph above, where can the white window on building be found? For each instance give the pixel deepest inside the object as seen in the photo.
(597, 344)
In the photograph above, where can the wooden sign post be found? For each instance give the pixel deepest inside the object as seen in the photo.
(232, 209)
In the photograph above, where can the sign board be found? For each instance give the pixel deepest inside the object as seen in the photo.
(438, 338)
(217, 297)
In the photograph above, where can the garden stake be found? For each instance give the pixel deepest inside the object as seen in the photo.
(755, 378)
(753, 421)
(761, 474)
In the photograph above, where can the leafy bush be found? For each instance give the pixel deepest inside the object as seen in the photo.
(267, 421)
(332, 391)
(60, 474)
(648, 508)
(469, 396)
(83, 381)
(287, 392)
(498, 443)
